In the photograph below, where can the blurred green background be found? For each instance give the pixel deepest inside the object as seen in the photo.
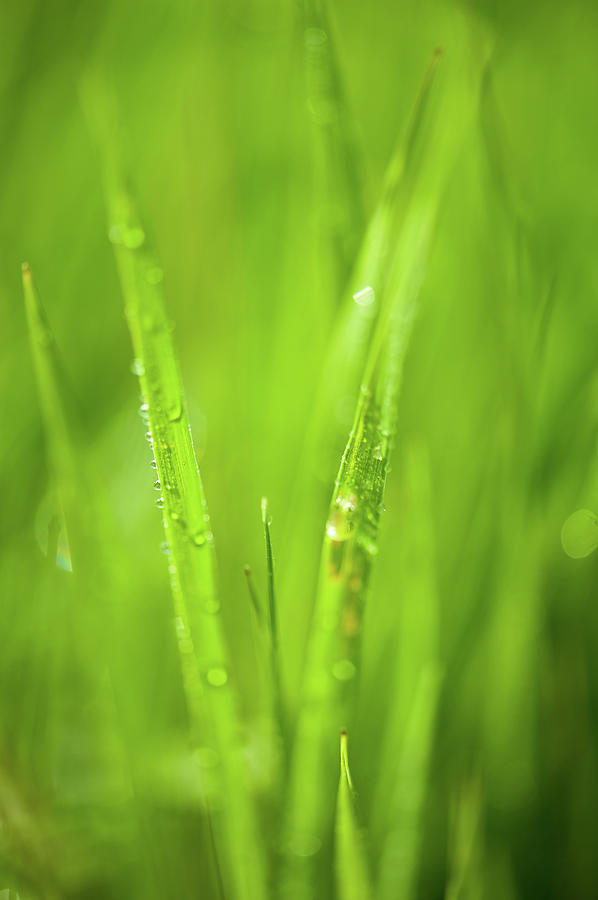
(500, 388)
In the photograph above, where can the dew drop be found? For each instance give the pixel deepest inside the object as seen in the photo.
(157, 485)
(304, 844)
(579, 534)
(344, 670)
(51, 533)
(154, 464)
(199, 538)
(137, 368)
(160, 503)
(133, 238)
(217, 676)
(175, 411)
(341, 522)
(365, 297)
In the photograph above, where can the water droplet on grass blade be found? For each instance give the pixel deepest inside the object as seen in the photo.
(133, 238)
(579, 534)
(365, 297)
(344, 670)
(341, 521)
(175, 411)
(304, 844)
(217, 676)
(137, 368)
(51, 534)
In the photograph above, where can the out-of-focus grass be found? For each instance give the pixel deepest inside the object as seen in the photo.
(495, 449)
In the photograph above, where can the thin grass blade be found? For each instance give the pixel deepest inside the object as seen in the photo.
(351, 866)
(211, 699)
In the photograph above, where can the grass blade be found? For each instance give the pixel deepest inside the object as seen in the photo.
(205, 665)
(344, 366)
(202, 646)
(352, 877)
(340, 210)
(351, 538)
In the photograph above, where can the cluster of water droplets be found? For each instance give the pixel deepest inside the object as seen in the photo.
(343, 517)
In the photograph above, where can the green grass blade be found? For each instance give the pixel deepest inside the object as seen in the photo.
(339, 202)
(202, 646)
(351, 867)
(351, 539)
(344, 365)
(402, 844)
(205, 664)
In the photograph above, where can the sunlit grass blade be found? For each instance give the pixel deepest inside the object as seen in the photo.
(351, 538)
(210, 695)
(339, 202)
(204, 654)
(351, 865)
(343, 369)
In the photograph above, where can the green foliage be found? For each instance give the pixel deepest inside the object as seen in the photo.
(379, 280)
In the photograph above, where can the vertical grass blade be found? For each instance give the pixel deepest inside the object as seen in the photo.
(351, 537)
(351, 866)
(343, 369)
(402, 843)
(202, 646)
(211, 699)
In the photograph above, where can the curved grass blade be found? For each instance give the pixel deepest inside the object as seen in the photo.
(351, 539)
(344, 366)
(351, 867)
(211, 699)
(202, 646)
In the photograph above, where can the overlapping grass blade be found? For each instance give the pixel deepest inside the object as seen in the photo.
(344, 365)
(396, 815)
(339, 209)
(351, 865)
(75, 633)
(351, 539)
(211, 699)
(402, 843)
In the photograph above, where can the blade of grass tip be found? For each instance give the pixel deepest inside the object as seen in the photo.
(351, 538)
(272, 619)
(63, 461)
(255, 601)
(211, 699)
(338, 189)
(344, 365)
(351, 867)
